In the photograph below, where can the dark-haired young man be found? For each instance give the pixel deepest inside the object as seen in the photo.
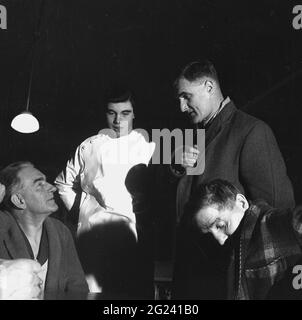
(265, 242)
(238, 148)
(97, 182)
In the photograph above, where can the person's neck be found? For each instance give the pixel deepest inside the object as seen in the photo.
(240, 218)
(123, 135)
(216, 103)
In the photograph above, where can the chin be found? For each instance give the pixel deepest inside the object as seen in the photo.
(54, 208)
(195, 120)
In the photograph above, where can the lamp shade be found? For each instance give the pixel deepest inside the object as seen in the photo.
(25, 122)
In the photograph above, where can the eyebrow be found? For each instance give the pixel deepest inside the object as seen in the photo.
(183, 93)
(210, 225)
(42, 178)
(127, 110)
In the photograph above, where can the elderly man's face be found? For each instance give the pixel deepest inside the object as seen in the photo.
(194, 99)
(221, 223)
(38, 194)
(120, 117)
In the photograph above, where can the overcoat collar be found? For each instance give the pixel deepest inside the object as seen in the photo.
(217, 124)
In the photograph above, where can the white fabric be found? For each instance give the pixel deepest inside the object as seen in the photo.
(42, 274)
(99, 168)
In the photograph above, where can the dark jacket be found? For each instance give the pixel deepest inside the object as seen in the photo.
(65, 274)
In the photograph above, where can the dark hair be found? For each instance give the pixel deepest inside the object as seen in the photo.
(9, 178)
(119, 94)
(198, 69)
(219, 193)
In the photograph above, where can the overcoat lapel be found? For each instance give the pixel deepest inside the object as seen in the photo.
(14, 241)
(55, 254)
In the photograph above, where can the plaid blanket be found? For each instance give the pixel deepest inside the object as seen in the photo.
(270, 243)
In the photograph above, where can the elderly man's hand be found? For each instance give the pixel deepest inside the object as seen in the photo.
(2, 192)
(19, 279)
(189, 157)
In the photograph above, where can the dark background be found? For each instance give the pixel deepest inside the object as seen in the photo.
(85, 46)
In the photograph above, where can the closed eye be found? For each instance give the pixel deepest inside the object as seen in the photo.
(126, 113)
(184, 96)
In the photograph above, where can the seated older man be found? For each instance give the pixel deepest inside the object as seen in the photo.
(266, 242)
(37, 253)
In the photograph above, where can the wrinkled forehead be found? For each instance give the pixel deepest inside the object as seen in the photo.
(207, 215)
(29, 174)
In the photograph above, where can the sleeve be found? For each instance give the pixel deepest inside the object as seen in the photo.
(169, 172)
(262, 169)
(176, 170)
(68, 181)
(76, 281)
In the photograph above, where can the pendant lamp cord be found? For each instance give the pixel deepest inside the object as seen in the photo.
(37, 35)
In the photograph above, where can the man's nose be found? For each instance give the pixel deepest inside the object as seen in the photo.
(219, 237)
(183, 105)
(117, 119)
(221, 240)
(52, 188)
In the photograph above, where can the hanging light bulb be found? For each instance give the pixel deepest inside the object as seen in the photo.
(25, 122)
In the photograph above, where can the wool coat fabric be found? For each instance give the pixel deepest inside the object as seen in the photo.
(269, 245)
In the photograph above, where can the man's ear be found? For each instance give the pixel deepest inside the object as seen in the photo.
(18, 201)
(209, 84)
(241, 201)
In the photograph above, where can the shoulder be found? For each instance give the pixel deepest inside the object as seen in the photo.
(62, 230)
(248, 121)
(139, 134)
(278, 222)
(91, 141)
(142, 136)
(270, 227)
(5, 221)
(239, 117)
(239, 122)
(245, 125)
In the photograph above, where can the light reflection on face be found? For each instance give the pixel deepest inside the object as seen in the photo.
(194, 99)
(120, 117)
(37, 193)
(221, 223)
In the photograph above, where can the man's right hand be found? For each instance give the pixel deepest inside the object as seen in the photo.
(19, 279)
(189, 157)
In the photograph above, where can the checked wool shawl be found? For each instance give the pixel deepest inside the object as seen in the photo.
(270, 243)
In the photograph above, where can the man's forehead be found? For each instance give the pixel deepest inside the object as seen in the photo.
(30, 173)
(120, 106)
(207, 215)
(185, 85)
